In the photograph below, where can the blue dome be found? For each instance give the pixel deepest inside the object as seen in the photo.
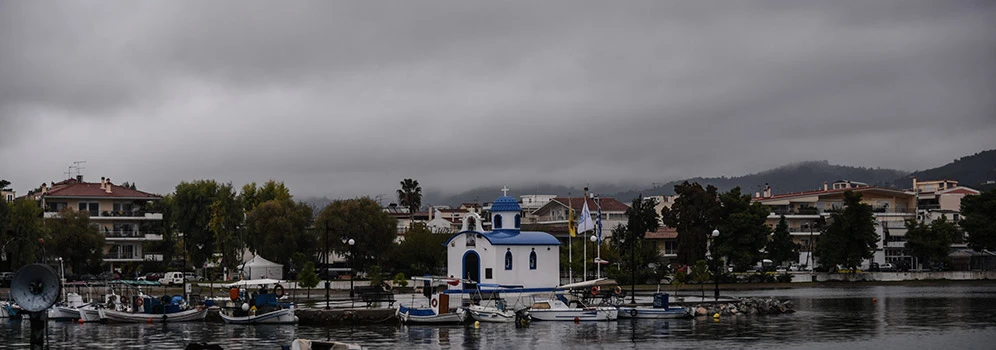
(505, 203)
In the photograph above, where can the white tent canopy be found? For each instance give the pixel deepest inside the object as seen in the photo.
(258, 268)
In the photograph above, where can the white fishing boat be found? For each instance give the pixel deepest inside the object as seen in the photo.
(89, 313)
(67, 310)
(490, 306)
(189, 315)
(560, 309)
(439, 311)
(308, 344)
(262, 306)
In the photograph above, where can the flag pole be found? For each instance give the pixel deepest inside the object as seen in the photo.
(598, 226)
(570, 240)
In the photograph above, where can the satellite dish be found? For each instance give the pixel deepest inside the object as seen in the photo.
(35, 287)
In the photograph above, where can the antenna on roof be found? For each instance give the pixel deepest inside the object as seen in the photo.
(76, 169)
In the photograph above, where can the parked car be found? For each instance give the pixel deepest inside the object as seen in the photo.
(5, 278)
(873, 267)
(190, 276)
(171, 278)
(888, 267)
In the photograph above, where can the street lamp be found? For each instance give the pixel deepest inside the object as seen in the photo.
(327, 282)
(715, 274)
(352, 276)
(593, 239)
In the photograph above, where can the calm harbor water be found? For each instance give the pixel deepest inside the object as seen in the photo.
(902, 317)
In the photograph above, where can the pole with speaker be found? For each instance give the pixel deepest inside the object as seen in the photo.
(36, 288)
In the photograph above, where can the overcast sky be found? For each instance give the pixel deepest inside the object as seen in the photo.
(347, 98)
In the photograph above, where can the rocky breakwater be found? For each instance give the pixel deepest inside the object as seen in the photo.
(745, 306)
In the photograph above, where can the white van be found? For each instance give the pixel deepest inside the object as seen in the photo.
(171, 278)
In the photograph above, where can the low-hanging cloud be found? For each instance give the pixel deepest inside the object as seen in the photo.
(346, 99)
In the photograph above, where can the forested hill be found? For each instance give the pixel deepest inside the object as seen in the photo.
(802, 176)
(971, 171)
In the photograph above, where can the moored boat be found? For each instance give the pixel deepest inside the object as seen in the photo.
(557, 309)
(660, 309)
(148, 309)
(262, 306)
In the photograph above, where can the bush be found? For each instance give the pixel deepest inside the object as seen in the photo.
(400, 280)
(784, 278)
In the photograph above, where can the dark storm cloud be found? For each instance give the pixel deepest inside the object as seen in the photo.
(344, 98)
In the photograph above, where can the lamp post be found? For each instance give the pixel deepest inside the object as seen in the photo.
(351, 243)
(62, 274)
(593, 239)
(327, 282)
(715, 264)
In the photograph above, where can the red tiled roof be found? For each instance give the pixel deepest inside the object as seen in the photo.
(608, 204)
(73, 188)
(822, 192)
(662, 232)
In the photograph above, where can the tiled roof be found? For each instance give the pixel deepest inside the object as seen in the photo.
(73, 188)
(662, 232)
(505, 203)
(608, 204)
(822, 192)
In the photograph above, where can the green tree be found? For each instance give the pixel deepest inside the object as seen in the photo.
(422, 252)
(979, 221)
(252, 195)
(192, 213)
(72, 237)
(400, 280)
(701, 275)
(362, 220)
(24, 229)
(279, 229)
(781, 248)
(3, 185)
(308, 278)
(694, 216)
(850, 237)
(410, 196)
(634, 250)
(743, 232)
(225, 226)
(930, 243)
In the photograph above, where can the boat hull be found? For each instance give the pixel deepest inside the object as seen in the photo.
(447, 318)
(126, 317)
(89, 315)
(652, 313)
(62, 313)
(282, 316)
(587, 314)
(490, 314)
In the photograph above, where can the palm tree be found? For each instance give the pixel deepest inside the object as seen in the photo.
(410, 196)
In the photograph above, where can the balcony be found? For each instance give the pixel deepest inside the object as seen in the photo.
(113, 215)
(122, 235)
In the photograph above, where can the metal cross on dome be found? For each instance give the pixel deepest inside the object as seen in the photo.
(504, 190)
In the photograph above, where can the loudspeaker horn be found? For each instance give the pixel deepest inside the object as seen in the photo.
(35, 287)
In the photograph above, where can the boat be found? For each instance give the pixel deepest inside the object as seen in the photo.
(259, 307)
(561, 309)
(149, 309)
(10, 310)
(89, 313)
(307, 344)
(438, 313)
(660, 310)
(494, 307)
(68, 310)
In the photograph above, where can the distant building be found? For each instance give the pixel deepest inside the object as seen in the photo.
(122, 214)
(8, 195)
(803, 210)
(552, 216)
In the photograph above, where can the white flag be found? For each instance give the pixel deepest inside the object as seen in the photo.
(584, 221)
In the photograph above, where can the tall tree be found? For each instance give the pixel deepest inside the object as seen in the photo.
(23, 233)
(279, 229)
(3, 184)
(225, 226)
(694, 216)
(72, 237)
(362, 220)
(781, 248)
(308, 278)
(743, 232)
(641, 217)
(930, 242)
(192, 212)
(422, 252)
(410, 196)
(979, 221)
(850, 237)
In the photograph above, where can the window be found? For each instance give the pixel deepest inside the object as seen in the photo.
(488, 273)
(518, 220)
(508, 259)
(497, 222)
(470, 240)
(532, 259)
(92, 207)
(671, 247)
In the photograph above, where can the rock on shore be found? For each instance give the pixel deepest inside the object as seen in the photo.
(747, 306)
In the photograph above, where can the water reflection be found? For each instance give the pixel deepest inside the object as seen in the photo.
(846, 318)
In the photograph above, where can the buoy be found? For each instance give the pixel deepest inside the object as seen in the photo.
(150, 319)
(577, 319)
(81, 321)
(874, 300)
(715, 316)
(477, 324)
